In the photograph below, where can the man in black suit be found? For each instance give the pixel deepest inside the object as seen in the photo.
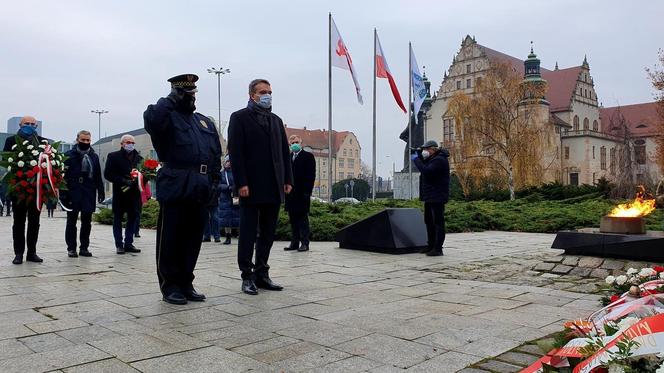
(258, 148)
(27, 132)
(298, 201)
(84, 183)
(126, 195)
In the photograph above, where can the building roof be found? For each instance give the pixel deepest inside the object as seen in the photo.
(317, 139)
(641, 119)
(136, 132)
(562, 82)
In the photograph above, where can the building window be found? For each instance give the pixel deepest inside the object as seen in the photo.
(448, 130)
(357, 153)
(458, 84)
(612, 161)
(341, 175)
(468, 69)
(345, 153)
(602, 158)
(586, 124)
(350, 141)
(557, 129)
(351, 163)
(595, 126)
(574, 178)
(341, 163)
(350, 175)
(640, 153)
(467, 83)
(567, 152)
(576, 123)
(593, 151)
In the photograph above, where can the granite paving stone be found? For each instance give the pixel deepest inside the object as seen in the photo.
(206, 360)
(387, 349)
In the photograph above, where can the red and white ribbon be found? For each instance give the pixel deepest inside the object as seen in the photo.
(136, 174)
(45, 157)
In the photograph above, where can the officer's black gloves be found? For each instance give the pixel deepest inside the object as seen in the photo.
(128, 182)
(176, 95)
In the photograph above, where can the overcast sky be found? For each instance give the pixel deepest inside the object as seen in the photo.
(59, 60)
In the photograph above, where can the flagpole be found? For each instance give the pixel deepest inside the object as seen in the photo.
(329, 107)
(410, 127)
(373, 169)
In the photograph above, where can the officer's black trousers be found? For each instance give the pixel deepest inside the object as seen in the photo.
(179, 232)
(299, 222)
(263, 217)
(21, 211)
(434, 218)
(70, 229)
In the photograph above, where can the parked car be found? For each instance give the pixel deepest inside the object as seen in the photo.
(347, 200)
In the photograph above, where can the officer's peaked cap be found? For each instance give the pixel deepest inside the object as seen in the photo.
(184, 81)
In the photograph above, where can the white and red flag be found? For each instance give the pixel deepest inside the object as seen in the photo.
(341, 57)
(383, 71)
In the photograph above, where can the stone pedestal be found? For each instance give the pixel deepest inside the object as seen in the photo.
(401, 185)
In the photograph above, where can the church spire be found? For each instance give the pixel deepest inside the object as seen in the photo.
(556, 68)
(532, 66)
(585, 61)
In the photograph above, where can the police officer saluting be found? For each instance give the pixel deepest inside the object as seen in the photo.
(188, 145)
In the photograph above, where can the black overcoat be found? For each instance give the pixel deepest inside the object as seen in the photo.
(434, 177)
(117, 170)
(260, 156)
(304, 176)
(82, 191)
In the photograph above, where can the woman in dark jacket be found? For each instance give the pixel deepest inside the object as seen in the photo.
(229, 212)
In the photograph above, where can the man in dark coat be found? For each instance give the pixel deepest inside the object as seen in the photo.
(298, 201)
(258, 148)
(84, 183)
(188, 144)
(229, 209)
(126, 195)
(434, 169)
(27, 131)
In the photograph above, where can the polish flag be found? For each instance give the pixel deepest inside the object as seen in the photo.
(383, 71)
(341, 57)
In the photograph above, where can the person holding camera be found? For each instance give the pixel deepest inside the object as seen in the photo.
(188, 144)
(434, 169)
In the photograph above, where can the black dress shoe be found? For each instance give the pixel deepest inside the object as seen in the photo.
(217, 239)
(207, 239)
(194, 296)
(267, 284)
(425, 250)
(303, 247)
(291, 247)
(131, 249)
(18, 259)
(228, 240)
(175, 298)
(84, 252)
(435, 253)
(33, 258)
(72, 253)
(137, 235)
(249, 287)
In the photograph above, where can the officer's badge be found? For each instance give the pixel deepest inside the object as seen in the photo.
(204, 124)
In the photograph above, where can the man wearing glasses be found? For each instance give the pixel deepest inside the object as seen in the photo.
(126, 195)
(27, 131)
(258, 148)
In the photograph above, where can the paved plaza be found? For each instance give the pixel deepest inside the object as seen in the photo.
(341, 310)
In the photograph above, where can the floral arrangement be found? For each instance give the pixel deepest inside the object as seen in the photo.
(35, 171)
(145, 172)
(630, 282)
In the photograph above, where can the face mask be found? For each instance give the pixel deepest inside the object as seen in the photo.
(27, 131)
(83, 146)
(186, 104)
(129, 148)
(265, 101)
(425, 154)
(295, 148)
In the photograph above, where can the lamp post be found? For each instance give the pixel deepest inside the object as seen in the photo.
(219, 72)
(352, 184)
(99, 113)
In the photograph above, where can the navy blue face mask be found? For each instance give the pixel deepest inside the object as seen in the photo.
(27, 131)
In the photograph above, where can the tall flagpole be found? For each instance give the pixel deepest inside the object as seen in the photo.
(410, 127)
(329, 107)
(373, 169)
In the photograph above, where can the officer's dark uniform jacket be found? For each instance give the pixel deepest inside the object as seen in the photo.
(434, 177)
(188, 145)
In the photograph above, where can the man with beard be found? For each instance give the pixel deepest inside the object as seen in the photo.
(22, 209)
(258, 148)
(188, 145)
(83, 177)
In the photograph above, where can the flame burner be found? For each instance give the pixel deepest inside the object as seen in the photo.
(622, 225)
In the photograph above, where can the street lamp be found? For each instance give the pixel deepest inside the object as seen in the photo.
(352, 184)
(99, 113)
(219, 72)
